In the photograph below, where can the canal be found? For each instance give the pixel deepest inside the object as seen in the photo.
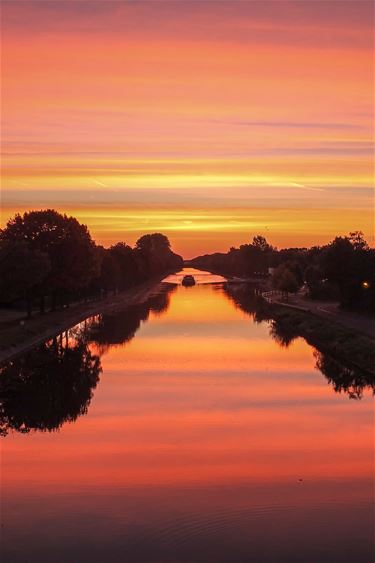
(186, 429)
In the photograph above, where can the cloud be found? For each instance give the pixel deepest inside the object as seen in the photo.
(295, 185)
(100, 184)
(304, 22)
(287, 124)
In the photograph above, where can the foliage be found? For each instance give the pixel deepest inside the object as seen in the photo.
(66, 242)
(22, 269)
(250, 260)
(48, 253)
(344, 269)
(349, 264)
(285, 280)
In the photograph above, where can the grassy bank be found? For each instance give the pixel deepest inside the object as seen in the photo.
(18, 336)
(341, 343)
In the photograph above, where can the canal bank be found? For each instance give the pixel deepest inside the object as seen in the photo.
(345, 344)
(20, 335)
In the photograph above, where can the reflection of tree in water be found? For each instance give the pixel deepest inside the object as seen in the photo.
(54, 383)
(47, 387)
(244, 298)
(350, 380)
(117, 328)
(283, 335)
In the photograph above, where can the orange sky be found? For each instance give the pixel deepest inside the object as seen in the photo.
(210, 121)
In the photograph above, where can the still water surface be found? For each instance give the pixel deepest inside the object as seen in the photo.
(182, 430)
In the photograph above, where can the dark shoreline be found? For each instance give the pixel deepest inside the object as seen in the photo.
(17, 338)
(345, 345)
(350, 347)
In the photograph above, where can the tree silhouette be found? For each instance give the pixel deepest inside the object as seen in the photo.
(154, 250)
(128, 271)
(248, 260)
(285, 280)
(67, 243)
(22, 270)
(153, 243)
(347, 262)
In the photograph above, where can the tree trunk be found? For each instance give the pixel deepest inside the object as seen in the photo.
(29, 305)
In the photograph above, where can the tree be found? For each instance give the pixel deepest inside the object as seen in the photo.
(22, 270)
(153, 243)
(125, 265)
(284, 280)
(67, 243)
(155, 252)
(348, 262)
(260, 242)
(109, 276)
(357, 240)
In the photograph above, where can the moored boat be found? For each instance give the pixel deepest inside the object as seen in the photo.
(188, 280)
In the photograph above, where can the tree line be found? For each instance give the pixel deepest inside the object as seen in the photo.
(49, 258)
(344, 269)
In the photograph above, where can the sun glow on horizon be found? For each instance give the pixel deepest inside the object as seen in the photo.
(225, 120)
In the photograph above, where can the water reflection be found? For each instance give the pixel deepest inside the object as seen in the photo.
(200, 276)
(245, 298)
(205, 442)
(350, 380)
(117, 328)
(53, 383)
(47, 387)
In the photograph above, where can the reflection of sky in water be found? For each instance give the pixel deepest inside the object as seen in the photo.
(204, 441)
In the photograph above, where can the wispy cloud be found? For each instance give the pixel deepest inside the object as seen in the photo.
(100, 184)
(295, 185)
(287, 124)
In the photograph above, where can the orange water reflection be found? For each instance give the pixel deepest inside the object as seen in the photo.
(204, 439)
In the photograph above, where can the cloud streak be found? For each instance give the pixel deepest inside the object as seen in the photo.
(289, 124)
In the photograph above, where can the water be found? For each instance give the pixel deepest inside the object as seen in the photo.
(200, 277)
(181, 430)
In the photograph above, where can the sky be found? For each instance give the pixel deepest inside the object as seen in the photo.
(209, 121)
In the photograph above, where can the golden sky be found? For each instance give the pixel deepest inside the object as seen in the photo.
(210, 121)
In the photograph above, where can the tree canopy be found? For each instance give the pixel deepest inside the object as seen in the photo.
(46, 253)
(342, 270)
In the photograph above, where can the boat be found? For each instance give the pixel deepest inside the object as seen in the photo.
(188, 280)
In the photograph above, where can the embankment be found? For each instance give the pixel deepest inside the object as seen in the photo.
(341, 343)
(18, 336)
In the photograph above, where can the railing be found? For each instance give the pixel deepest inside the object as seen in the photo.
(267, 295)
